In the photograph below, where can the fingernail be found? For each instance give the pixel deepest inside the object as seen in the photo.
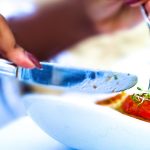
(131, 2)
(33, 59)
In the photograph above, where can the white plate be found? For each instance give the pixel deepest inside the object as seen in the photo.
(79, 123)
(24, 134)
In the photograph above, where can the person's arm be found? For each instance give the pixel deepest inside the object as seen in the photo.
(53, 28)
(56, 27)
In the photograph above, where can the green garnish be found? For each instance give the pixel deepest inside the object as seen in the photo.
(136, 99)
(140, 97)
(139, 88)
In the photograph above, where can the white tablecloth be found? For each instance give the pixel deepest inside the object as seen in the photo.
(24, 134)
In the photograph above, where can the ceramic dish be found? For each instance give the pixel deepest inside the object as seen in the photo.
(78, 122)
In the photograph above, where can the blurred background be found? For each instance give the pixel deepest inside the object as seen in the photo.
(126, 51)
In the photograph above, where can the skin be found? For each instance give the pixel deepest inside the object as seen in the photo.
(119, 14)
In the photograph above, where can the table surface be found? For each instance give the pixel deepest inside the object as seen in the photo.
(24, 134)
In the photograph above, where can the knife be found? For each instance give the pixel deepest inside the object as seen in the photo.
(69, 78)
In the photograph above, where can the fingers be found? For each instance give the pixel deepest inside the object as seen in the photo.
(135, 2)
(22, 58)
(10, 50)
(147, 6)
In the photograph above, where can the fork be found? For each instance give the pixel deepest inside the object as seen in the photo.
(145, 16)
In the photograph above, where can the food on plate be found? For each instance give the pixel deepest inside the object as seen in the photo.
(136, 105)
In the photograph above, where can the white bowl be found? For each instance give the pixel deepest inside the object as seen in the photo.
(79, 123)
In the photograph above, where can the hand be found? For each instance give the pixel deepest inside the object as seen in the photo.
(111, 15)
(11, 50)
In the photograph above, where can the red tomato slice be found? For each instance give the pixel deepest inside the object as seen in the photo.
(131, 107)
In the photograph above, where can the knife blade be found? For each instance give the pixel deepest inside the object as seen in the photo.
(70, 78)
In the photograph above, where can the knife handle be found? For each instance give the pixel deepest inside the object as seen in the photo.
(7, 68)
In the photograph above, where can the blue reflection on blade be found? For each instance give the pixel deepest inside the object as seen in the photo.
(57, 76)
